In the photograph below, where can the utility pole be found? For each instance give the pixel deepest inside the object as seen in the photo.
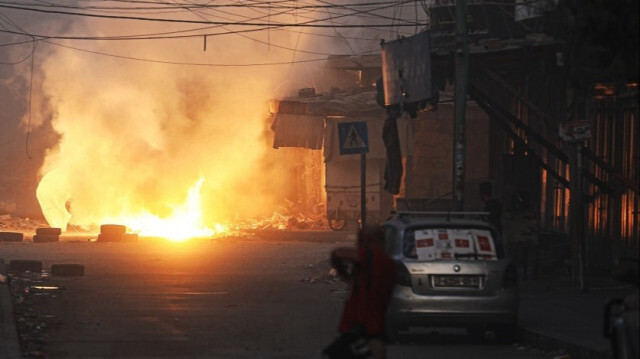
(577, 230)
(461, 63)
(363, 190)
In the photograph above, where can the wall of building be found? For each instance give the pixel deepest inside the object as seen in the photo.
(432, 169)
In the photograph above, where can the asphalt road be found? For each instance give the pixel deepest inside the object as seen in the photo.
(264, 296)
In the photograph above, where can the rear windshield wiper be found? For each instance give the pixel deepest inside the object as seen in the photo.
(466, 255)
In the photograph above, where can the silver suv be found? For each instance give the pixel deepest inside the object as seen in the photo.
(452, 272)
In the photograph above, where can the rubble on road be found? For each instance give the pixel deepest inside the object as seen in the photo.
(31, 293)
(8, 222)
(323, 273)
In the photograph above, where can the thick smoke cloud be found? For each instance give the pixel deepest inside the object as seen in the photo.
(122, 129)
(135, 135)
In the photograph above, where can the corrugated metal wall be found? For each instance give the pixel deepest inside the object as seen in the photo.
(613, 225)
(611, 160)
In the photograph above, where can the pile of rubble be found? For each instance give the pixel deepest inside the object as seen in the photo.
(27, 225)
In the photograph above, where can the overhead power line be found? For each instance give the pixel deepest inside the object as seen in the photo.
(309, 24)
(195, 63)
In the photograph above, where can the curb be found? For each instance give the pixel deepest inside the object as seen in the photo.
(9, 344)
(550, 343)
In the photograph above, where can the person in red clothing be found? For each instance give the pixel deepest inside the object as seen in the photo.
(372, 274)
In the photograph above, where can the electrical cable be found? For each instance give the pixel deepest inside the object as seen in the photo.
(26, 144)
(193, 63)
(142, 37)
(310, 24)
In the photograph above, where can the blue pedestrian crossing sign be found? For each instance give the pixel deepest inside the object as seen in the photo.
(353, 137)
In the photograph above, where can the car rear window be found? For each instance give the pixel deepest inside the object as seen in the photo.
(432, 244)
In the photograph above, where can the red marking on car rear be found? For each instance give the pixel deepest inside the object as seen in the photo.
(484, 243)
(462, 243)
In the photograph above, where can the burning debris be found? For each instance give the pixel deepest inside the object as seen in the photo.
(21, 229)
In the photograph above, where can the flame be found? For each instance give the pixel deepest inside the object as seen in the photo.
(184, 222)
(137, 127)
(135, 137)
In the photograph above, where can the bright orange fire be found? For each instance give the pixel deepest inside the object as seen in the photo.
(136, 136)
(184, 222)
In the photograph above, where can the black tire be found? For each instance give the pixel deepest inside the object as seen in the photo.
(24, 265)
(48, 231)
(476, 334)
(67, 270)
(338, 224)
(11, 236)
(115, 229)
(130, 237)
(393, 333)
(507, 334)
(45, 238)
(102, 237)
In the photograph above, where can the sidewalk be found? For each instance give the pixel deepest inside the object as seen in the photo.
(9, 345)
(554, 316)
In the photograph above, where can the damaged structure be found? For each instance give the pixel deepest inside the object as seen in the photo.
(552, 121)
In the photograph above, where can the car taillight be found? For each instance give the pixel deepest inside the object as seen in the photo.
(403, 277)
(510, 278)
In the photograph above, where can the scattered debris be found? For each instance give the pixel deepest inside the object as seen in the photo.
(32, 289)
(324, 273)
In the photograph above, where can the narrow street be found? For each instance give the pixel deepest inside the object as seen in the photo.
(262, 296)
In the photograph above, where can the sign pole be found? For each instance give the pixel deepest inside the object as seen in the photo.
(363, 189)
(354, 139)
(576, 230)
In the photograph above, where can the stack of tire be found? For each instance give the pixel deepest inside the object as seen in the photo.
(115, 233)
(47, 235)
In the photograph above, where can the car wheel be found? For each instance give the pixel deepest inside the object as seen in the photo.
(476, 333)
(338, 224)
(393, 333)
(507, 333)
